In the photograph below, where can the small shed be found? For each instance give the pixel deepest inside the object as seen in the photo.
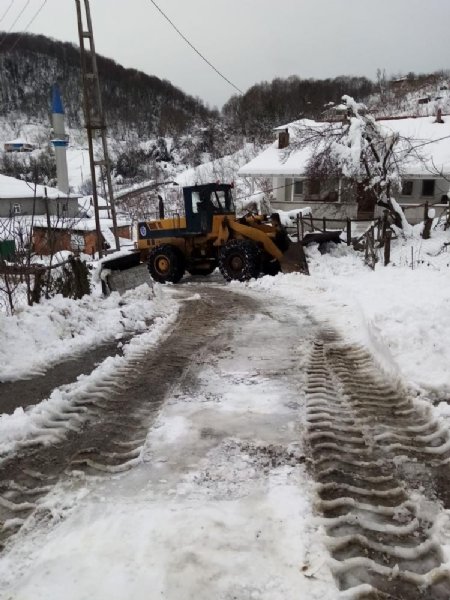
(77, 236)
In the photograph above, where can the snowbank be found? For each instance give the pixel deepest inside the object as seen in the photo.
(401, 312)
(18, 428)
(37, 336)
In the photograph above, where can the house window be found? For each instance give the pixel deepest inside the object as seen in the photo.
(17, 209)
(62, 209)
(195, 199)
(77, 241)
(428, 187)
(314, 187)
(407, 188)
(298, 188)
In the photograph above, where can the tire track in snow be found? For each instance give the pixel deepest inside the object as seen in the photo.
(364, 435)
(101, 428)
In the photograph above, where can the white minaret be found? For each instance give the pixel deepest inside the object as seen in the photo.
(60, 140)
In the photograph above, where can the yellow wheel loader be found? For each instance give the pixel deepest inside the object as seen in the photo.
(209, 235)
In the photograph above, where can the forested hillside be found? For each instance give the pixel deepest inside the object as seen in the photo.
(268, 104)
(133, 100)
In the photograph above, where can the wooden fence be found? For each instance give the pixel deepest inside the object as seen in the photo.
(375, 238)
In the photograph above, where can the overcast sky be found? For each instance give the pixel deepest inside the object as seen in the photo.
(255, 40)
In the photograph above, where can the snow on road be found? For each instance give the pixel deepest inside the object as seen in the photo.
(221, 505)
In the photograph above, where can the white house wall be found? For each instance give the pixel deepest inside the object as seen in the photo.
(284, 198)
(416, 214)
(38, 206)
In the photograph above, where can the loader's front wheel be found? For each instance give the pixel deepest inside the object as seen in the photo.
(240, 260)
(166, 264)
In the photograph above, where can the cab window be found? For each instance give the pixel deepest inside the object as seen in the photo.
(195, 201)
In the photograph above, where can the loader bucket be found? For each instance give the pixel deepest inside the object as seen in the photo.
(294, 259)
(122, 273)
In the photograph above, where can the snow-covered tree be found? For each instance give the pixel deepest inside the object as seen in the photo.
(360, 150)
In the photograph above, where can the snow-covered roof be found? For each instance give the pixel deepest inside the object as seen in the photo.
(292, 127)
(11, 188)
(79, 224)
(19, 142)
(431, 138)
(135, 187)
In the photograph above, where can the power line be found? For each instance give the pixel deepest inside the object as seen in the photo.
(265, 191)
(446, 137)
(194, 48)
(28, 25)
(2, 41)
(6, 11)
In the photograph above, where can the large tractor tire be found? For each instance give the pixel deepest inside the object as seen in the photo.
(240, 260)
(166, 264)
(206, 270)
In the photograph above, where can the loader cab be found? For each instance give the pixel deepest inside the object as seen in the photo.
(202, 202)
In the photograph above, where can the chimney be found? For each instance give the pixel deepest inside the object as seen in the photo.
(439, 118)
(283, 139)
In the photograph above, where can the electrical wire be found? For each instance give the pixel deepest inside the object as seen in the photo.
(2, 41)
(28, 25)
(445, 137)
(265, 191)
(6, 11)
(195, 49)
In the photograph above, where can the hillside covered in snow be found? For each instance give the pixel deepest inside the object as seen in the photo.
(134, 102)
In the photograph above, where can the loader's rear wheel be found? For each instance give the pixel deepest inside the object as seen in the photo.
(240, 260)
(166, 263)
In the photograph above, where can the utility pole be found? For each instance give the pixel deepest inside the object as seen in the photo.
(95, 122)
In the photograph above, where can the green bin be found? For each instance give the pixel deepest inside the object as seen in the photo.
(7, 249)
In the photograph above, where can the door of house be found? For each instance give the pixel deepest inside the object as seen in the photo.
(366, 202)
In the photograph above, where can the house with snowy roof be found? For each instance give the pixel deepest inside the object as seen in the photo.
(18, 145)
(424, 179)
(80, 234)
(21, 198)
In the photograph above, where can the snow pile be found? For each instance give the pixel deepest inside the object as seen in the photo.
(22, 425)
(37, 336)
(401, 312)
(288, 218)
